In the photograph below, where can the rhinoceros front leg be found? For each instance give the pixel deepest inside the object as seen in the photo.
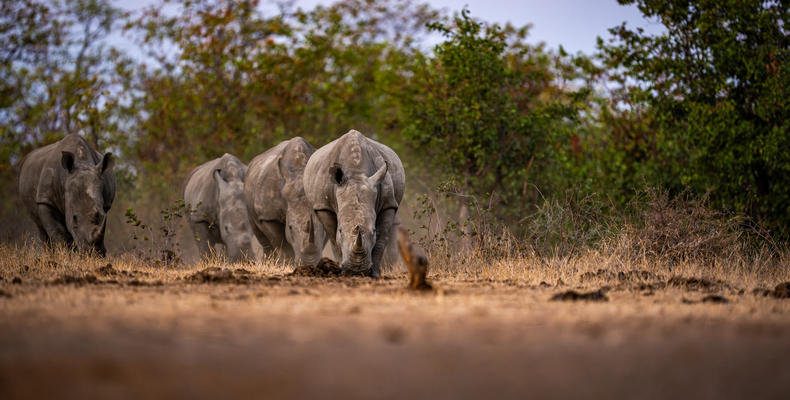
(275, 233)
(266, 246)
(53, 224)
(328, 220)
(206, 236)
(384, 223)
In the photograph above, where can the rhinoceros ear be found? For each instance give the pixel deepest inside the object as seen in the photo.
(337, 175)
(218, 177)
(376, 178)
(284, 173)
(67, 160)
(106, 163)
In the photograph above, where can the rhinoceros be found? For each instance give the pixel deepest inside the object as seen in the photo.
(280, 214)
(68, 188)
(214, 194)
(355, 185)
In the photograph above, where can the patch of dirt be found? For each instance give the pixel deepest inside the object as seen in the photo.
(324, 268)
(599, 274)
(652, 286)
(782, 290)
(220, 275)
(623, 276)
(715, 298)
(572, 295)
(694, 284)
(4, 294)
(16, 281)
(69, 279)
(711, 298)
(637, 275)
(136, 282)
(393, 334)
(107, 270)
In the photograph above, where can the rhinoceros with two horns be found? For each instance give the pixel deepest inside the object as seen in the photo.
(214, 193)
(355, 185)
(280, 215)
(68, 188)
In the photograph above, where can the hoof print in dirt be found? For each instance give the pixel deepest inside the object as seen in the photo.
(572, 295)
(5, 295)
(16, 281)
(219, 275)
(324, 268)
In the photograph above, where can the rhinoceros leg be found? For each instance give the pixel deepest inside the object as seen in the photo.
(391, 253)
(52, 223)
(274, 231)
(206, 236)
(384, 223)
(328, 220)
(264, 242)
(42, 233)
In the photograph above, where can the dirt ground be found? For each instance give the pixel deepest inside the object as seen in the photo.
(72, 326)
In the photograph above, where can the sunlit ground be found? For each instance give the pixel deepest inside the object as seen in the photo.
(72, 326)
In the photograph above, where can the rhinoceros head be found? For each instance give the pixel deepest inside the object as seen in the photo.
(356, 195)
(85, 205)
(302, 231)
(234, 225)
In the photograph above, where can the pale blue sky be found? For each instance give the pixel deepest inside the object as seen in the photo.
(574, 24)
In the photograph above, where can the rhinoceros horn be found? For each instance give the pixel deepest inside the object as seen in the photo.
(358, 243)
(376, 178)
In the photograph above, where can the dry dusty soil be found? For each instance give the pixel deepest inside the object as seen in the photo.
(74, 327)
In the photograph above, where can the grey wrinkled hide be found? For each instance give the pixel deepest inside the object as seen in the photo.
(281, 216)
(215, 193)
(355, 185)
(68, 188)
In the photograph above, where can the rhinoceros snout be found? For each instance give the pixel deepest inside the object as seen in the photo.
(355, 270)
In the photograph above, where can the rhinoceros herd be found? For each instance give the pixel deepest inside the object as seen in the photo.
(291, 198)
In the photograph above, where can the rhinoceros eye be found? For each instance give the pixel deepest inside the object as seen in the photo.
(74, 218)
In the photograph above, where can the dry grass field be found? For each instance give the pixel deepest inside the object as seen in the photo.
(72, 326)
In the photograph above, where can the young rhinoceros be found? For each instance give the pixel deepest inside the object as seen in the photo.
(214, 191)
(355, 185)
(280, 214)
(68, 188)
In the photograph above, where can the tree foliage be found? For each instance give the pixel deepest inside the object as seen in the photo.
(701, 106)
(713, 91)
(489, 107)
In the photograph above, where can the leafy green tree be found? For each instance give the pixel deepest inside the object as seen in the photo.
(488, 108)
(713, 88)
(228, 78)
